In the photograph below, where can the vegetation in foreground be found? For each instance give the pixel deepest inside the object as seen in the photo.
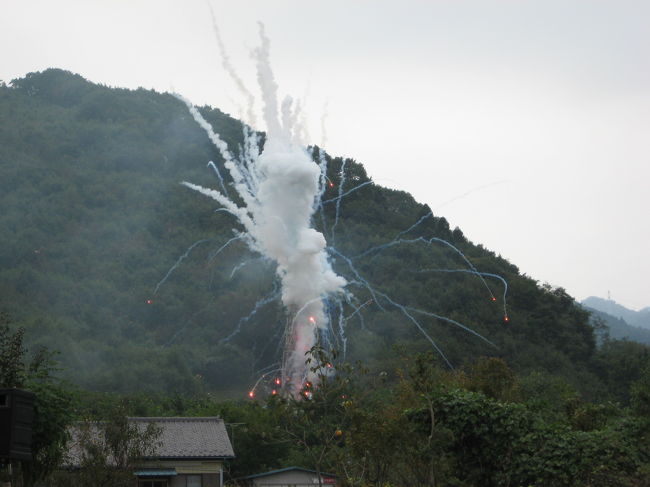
(413, 426)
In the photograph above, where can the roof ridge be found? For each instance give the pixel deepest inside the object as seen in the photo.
(175, 418)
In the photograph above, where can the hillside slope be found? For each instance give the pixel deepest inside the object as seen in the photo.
(94, 217)
(639, 318)
(619, 329)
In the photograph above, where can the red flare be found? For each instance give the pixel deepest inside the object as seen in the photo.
(506, 319)
(274, 392)
(251, 394)
(307, 385)
(312, 319)
(149, 301)
(493, 298)
(278, 381)
(331, 185)
(329, 366)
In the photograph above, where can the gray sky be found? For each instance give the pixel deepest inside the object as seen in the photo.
(544, 106)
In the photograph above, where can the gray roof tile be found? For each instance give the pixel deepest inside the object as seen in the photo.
(180, 438)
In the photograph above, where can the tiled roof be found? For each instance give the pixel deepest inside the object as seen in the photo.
(180, 438)
(190, 437)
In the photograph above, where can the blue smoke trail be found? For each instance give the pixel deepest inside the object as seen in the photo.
(242, 264)
(224, 246)
(424, 217)
(269, 298)
(178, 262)
(408, 310)
(486, 274)
(467, 193)
(356, 188)
(380, 248)
(357, 310)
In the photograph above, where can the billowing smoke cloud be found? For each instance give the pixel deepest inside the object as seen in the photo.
(279, 188)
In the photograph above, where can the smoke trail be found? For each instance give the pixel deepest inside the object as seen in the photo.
(340, 196)
(476, 273)
(272, 296)
(178, 262)
(467, 193)
(230, 70)
(392, 243)
(216, 170)
(408, 310)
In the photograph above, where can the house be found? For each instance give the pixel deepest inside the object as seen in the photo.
(288, 477)
(188, 452)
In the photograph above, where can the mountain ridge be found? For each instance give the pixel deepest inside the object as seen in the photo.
(640, 319)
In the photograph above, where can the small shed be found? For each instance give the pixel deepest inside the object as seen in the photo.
(288, 477)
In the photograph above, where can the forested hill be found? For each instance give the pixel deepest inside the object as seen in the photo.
(93, 217)
(639, 318)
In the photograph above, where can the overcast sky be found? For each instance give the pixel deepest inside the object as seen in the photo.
(525, 123)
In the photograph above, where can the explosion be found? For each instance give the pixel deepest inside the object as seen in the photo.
(281, 187)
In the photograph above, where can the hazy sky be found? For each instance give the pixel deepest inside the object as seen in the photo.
(525, 123)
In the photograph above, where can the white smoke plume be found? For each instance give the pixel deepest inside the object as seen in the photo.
(279, 187)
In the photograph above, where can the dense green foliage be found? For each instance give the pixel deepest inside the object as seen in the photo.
(94, 217)
(419, 425)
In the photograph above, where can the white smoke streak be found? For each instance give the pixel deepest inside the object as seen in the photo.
(230, 70)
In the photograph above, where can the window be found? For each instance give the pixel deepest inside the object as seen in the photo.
(193, 481)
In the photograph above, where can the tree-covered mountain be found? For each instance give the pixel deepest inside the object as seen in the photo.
(639, 318)
(93, 218)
